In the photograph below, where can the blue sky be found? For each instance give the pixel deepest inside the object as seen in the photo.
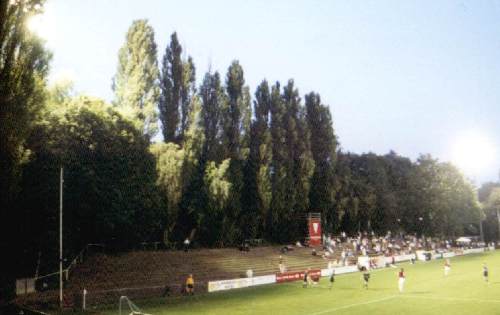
(411, 76)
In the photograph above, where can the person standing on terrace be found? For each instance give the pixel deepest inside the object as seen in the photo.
(190, 284)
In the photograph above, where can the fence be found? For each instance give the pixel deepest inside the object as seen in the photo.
(51, 281)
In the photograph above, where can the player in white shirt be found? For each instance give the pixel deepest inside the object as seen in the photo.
(401, 280)
(447, 267)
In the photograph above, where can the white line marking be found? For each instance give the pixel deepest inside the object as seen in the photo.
(354, 305)
(450, 298)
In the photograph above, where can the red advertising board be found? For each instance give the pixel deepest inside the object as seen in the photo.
(314, 231)
(298, 275)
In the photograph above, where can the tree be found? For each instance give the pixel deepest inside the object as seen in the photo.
(257, 192)
(136, 81)
(177, 83)
(234, 128)
(493, 206)
(323, 149)
(489, 219)
(399, 171)
(24, 66)
(212, 101)
(278, 212)
(213, 219)
(193, 192)
(299, 164)
(169, 163)
(232, 112)
(109, 186)
(187, 93)
(344, 195)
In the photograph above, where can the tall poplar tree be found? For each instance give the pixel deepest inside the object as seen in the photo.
(232, 113)
(323, 148)
(212, 100)
(177, 85)
(257, 192)
(299, 163)
(136, 81)
(234, 129)
(277, 214)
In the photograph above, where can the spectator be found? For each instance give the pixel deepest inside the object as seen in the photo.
(281, 265)
(298, 244)
(333, 243)
(314, 252)
(249, 273)
(190, 284)
(245, 247)
(186, 244)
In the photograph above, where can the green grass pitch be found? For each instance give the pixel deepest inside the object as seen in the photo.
(427, 291)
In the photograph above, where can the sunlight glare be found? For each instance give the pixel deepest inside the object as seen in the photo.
(473, 152)
(42, 25)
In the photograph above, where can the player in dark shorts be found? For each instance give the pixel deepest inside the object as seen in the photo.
(306, 275)
(485, 272)
(190, 285)
(332, 278)
(366, 277)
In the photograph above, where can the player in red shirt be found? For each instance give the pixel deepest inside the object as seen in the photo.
(401, 281)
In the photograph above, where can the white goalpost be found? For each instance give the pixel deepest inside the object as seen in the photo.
(132, 308)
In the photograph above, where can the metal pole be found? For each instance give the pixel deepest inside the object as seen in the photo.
(61, 180)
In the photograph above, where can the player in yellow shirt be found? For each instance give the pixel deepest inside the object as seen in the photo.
(190, 284)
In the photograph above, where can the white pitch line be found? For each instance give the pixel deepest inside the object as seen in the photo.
(354, 305)
(450, 299)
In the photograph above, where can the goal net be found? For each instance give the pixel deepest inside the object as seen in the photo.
(128, 307)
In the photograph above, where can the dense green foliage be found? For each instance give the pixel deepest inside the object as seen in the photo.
(489, 196)
(23, 70)
(177, 88)
(391, 193)
(136, 81)
(110, 189)
(225, 171)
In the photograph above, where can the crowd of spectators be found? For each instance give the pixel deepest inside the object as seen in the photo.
(368, 244)
(342, 250)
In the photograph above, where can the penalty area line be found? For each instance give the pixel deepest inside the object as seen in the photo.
(354, 305)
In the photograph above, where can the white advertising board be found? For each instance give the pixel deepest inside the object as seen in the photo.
(404, 257)
(473, 251)
(239, 283)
